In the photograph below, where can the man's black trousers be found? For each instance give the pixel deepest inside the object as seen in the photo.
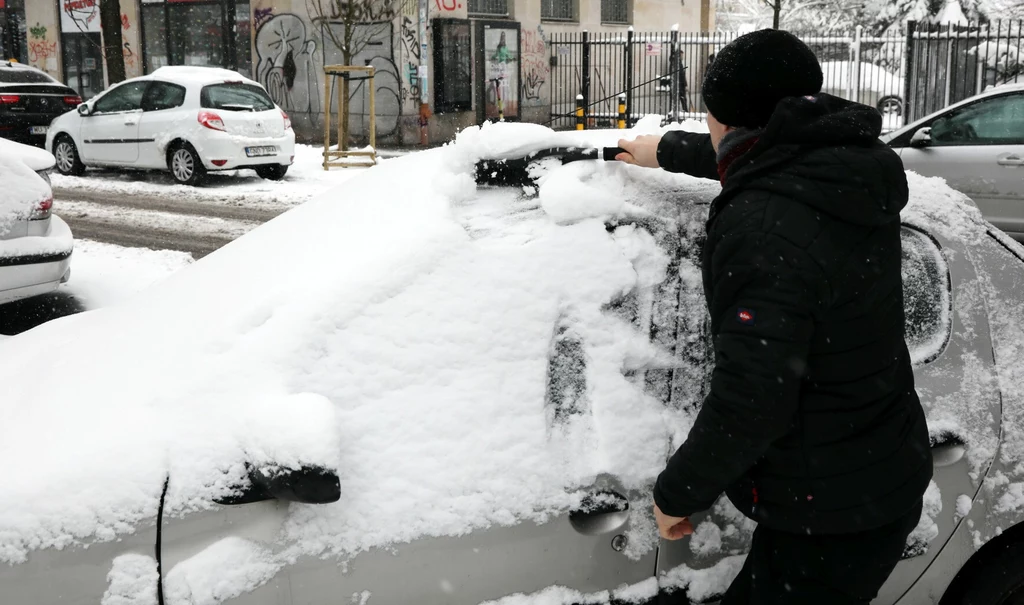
(793, 569)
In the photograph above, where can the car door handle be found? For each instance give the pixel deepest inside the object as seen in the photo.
(131, 121)
(948, 453)
(1010, 159)
(603, 512)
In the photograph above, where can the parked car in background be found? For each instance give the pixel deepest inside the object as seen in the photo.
(35, 244)
(469, 390)
(188, 120)
(876, 86)
(29, 100)
(977, 145)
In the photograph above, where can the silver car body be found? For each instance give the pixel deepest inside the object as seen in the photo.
(977, 145)
(962, 272)
(35, 255)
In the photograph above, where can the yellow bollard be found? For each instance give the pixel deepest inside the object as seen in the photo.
(580, 121)
(622, 111)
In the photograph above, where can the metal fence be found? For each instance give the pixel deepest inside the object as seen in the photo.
(949, 63)
(660, 73)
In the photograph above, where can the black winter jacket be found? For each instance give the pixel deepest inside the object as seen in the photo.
(812, 423)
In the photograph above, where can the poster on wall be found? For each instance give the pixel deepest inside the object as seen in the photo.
(80, 16)
(499, 59)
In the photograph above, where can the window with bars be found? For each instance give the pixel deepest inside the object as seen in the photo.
(490, 8)
(558, 10)
(615, 11)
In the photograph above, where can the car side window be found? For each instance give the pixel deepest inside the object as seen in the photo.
(163, 95)
(126, 97)
(995, 121)
(927, 301)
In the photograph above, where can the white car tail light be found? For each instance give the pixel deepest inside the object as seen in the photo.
(287, 120)
(43, 210)
(211, 120)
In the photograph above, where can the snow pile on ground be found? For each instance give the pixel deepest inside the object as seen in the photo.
(305, 179)
(104, 274)
(24, 190)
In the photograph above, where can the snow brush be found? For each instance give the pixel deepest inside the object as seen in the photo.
(516, 172)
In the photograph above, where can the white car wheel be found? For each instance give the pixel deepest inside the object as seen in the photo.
(186, 166)
(67, 158)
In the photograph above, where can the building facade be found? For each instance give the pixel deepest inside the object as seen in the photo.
(481, 60)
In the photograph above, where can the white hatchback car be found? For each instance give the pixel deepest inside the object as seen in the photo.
(189, 120)
(35, 245)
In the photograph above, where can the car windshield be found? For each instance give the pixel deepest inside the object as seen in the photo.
(926, 297)
(235, 96)
(24, 76)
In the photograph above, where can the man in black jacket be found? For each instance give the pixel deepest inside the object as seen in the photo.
(812, 426)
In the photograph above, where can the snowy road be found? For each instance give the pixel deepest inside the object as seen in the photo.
(149, 210)
(156, 221)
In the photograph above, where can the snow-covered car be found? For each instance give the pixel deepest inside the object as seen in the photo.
(977, 145)
(35, 244)
(419, 390)
(876, 86)
(188, 120)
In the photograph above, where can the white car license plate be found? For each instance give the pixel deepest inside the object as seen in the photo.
(37, 129)
(255, 152)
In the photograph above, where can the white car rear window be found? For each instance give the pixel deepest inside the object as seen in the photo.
(235, 96)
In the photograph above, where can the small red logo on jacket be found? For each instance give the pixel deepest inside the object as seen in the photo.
(745, 317)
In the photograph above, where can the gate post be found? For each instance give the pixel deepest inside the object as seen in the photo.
(629, 77)
(585, 76)
(673, 67)
(855, 84)
(908, 108)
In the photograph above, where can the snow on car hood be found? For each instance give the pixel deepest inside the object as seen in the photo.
(23, 191)
(397, 330)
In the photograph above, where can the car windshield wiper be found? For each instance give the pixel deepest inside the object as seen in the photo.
(516, 172)
(237, 107)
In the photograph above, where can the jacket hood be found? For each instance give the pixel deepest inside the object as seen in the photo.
(824, 152)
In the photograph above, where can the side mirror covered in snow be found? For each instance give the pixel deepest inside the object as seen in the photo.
(921, 138)
(84, 109)
(308, 484)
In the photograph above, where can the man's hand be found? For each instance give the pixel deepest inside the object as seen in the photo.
(641, 152)
(672, 528)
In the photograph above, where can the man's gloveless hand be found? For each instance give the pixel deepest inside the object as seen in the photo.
(672, 528)
(643, 151)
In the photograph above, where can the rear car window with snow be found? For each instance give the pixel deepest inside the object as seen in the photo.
(235, 96)
(926, 296)
(24, 76)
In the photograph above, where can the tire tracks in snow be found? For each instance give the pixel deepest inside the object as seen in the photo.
(156, 222)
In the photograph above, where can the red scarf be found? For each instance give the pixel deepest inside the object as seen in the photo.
(733, 155)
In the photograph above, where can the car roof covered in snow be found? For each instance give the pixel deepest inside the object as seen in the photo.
(187, 75)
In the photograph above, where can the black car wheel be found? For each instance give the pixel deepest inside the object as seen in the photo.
(272, 172)
(185, 165)
(66, 153)
(891, 104)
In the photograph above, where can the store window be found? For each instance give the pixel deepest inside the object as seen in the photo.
(209, 33)
(453, 86)
(81, 46)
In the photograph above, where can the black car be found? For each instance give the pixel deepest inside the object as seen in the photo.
(29, 100)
